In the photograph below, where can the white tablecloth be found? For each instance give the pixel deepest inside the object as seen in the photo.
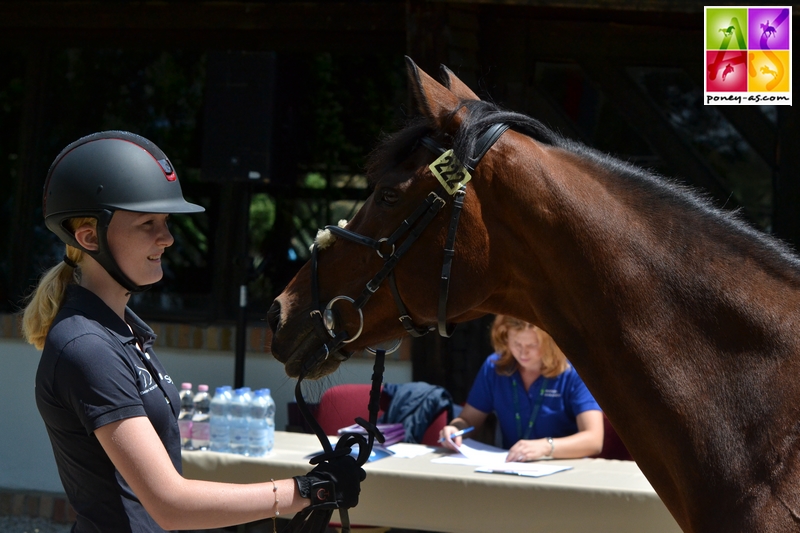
(596, 495)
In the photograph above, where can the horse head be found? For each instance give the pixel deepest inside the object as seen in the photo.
(377, 277)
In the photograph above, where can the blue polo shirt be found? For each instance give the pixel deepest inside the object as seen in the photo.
(92, 373)
(564, 398)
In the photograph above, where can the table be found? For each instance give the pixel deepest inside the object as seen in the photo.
(596, 495)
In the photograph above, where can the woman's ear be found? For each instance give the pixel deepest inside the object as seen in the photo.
(86, 236)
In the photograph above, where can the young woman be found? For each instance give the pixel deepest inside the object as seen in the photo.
(543, 407)
(109, 406)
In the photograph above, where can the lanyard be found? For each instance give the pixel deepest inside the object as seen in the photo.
(534, 412)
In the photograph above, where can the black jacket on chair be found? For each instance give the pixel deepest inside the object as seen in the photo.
(416, 405)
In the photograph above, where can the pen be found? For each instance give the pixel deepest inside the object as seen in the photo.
(458, 433)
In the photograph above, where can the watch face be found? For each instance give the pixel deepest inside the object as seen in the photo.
(322, 494)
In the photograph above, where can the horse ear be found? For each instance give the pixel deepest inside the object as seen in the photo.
(456, 86)
(433, 99)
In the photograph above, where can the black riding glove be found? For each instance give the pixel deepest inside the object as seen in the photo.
(333, 484)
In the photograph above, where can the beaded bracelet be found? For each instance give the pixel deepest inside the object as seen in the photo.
(275, 492)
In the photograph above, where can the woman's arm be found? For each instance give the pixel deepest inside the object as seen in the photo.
(587, 441)
(469, 417)
(175, 502)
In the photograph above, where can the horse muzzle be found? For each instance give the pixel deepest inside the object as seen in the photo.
(304, 346)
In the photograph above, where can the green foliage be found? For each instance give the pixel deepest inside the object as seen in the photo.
(352, 101)
(314, 180)
(262, 216)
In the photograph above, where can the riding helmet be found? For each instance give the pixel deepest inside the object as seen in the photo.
(100, 173)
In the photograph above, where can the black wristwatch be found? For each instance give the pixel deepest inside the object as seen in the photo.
(322, 493)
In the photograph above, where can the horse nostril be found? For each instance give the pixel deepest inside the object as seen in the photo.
(274, 316)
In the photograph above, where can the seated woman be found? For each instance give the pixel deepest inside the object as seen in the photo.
(543, 407)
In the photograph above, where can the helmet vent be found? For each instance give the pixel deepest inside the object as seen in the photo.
(167, 168)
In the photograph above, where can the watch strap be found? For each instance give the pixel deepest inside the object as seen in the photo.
(552, 448)
(322, 493)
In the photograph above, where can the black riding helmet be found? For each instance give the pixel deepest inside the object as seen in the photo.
(100, 173)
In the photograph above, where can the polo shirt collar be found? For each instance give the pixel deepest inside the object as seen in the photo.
(91, 305)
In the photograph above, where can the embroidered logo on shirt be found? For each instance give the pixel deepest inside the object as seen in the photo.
(146, 380)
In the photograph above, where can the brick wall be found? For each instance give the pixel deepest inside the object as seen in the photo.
(53, 507)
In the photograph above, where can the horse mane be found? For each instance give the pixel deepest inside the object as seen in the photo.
(725, 225)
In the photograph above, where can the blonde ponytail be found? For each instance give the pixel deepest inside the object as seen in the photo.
(46, 300)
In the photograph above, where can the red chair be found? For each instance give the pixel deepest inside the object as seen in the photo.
(613, 448)
(341, 404)
(431, 436)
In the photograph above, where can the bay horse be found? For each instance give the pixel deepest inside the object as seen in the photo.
(683, 321)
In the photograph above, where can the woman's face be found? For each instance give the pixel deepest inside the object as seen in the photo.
(526, 348)
(137, 241)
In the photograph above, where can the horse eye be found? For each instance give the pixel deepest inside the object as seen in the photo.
(388, 197)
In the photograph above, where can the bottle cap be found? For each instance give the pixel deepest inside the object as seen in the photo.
(202, 388)
(186, 385)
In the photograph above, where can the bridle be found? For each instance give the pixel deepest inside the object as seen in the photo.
(452, 175)
(388, 249)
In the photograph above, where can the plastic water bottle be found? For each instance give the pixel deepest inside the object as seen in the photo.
(270, 421)
(200, 418)
(220, 421)
(240, 421)
(262, 423)
(185, 416)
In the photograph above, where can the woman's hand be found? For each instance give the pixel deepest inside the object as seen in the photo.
(469, 418)
(528, 450)
(447, 442)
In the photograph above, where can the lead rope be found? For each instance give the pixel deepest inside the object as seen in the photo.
(316, 520)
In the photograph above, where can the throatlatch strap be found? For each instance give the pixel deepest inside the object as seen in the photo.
(447, 262)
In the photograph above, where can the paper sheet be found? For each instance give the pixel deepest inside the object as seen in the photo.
(492, 460)
(472, 452)
(524, 469)
(404, 449)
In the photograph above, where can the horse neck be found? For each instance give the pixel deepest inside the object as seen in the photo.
(631, 273)
(680, 322)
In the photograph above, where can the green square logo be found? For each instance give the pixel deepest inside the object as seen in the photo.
(726, 28)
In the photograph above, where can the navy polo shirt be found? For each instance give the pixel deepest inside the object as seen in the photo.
(562, 400)
(92, 373)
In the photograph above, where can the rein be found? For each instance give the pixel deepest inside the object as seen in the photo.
(453, 176)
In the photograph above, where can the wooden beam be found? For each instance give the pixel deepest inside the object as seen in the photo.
(631, 45)
(297, 26)
(786, 215)
(640, 6)
(33, 162)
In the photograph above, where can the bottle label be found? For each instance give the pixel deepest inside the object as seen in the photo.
(185, 427)
(200, 431)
